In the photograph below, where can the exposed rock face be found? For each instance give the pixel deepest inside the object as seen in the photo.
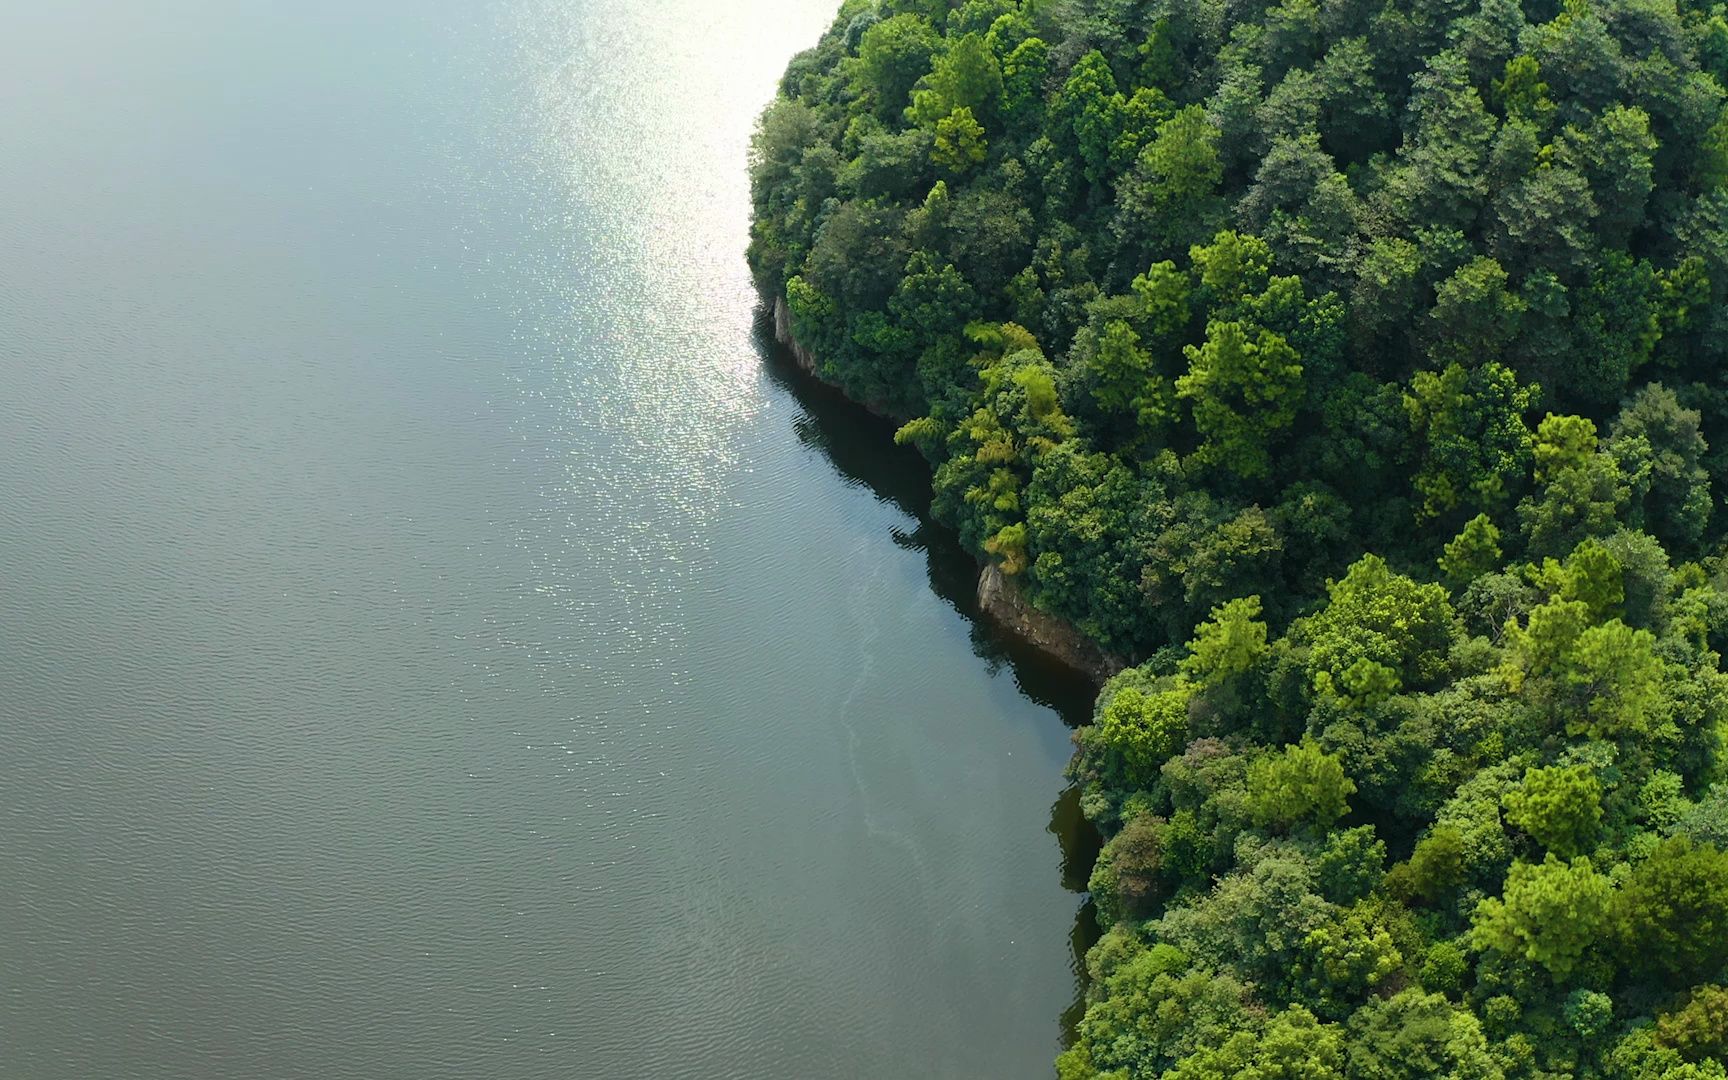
(783, 334)
(807, 361)
(1001, 598)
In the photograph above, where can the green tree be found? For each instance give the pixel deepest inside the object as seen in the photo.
(1713, 161)
(1542, 219)
(1657, 441)
(1169, 197)
(1441, 175)
(1137, 120)
(1640, 1056)
(1699, 1029)
(960, 142)
(1561, 808)
(1617, 327)
(1352, 864)
(965, 75)
(1612, 682)
(1375, 618)
(1231, 269)
(1384, 297)
(1472, 553)
(1302, 785)
(1614, 153)
(1602, 681)
(889, 165)
(1088, 110)
(1475, 315)
(1024, 72)
(858, 257)
(1231, 643)
(1468, 424)
(1244, 385)
(1198, 1009)
(1522, 94)
(1305, 209)
(1435, 867)
(1553, 915)
(1355, 113)
(1122, 369)
(1592, 574)
(892, 56)
(1589, 1012)
(933, 297)
(1145, 729)
(1127, 879)
(1345, 961)
(1672, 915)
(1415, 1035)
(1292, 1046)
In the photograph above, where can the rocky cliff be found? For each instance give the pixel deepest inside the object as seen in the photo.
(807, 361)
(1000, 598)
(1003, 601)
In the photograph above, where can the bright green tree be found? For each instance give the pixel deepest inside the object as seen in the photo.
(1602, 681)
(1230, 643)
(1302, 785)
(1552, 915)
(1231, 269)
(1561, 808)
(1145, 729)
(1579, 490)
(960, 143)
(1244, 385)
(1523, 95)
(1292, 1046)
(1346, 960)
(1376, 618)
(1473, 552)
(1121, 367)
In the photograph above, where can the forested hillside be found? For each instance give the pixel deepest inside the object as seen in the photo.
(1357, 369)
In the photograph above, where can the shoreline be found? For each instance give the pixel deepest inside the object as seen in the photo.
(1000, 598)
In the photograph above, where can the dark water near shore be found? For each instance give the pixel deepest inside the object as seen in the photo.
(437, 637)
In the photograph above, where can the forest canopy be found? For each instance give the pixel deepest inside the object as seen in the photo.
(1355, 371)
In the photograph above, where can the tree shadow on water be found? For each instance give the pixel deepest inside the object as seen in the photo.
(860, 447)
(1079, 843)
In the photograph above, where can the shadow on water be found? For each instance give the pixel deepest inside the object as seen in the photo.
(861, 448)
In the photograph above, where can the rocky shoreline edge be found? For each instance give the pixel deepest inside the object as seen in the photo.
(1000, 597)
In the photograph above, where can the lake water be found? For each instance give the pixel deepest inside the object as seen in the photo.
(437, 637)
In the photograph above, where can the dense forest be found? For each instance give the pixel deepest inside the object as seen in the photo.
(1356, 370)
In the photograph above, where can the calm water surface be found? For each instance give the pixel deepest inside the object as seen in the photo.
(436, 639)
